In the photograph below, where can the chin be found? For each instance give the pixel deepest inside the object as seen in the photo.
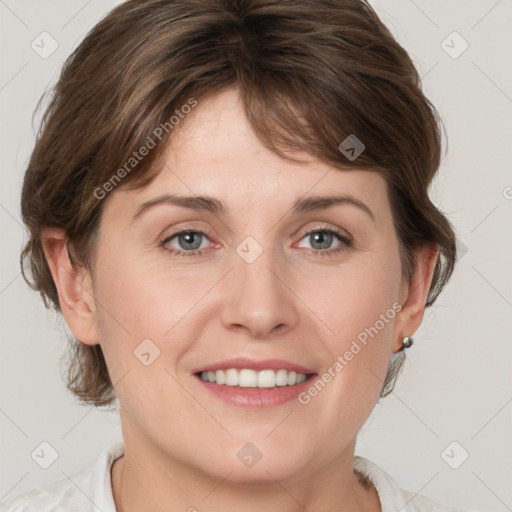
(263, 472)
(260, 461)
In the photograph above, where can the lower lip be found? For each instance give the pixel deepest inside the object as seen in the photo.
(257, 397)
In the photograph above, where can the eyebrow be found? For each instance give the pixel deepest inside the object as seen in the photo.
(217, 207)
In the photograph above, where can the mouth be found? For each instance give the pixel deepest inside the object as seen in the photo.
(248, 378)
(248, 383)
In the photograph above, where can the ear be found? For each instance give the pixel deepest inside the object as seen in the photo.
(74, 287)
(414, 294)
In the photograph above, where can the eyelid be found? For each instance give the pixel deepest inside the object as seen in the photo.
(186, 227)
(324, 227)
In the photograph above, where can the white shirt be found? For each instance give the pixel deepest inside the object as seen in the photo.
(90, 490)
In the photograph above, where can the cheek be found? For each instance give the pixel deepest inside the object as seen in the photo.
(360, 306)
(141, 318)
(143, 298)
(140, 301)
(357, 299)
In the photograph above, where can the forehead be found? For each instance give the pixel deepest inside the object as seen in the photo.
(216, 153)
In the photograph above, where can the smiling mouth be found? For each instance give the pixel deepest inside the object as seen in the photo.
(247, 378)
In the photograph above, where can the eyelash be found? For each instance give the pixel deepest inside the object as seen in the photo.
(345, 243)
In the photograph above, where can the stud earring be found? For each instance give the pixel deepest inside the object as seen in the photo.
(407, 342)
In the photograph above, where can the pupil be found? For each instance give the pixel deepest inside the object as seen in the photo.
(322, 236)
(189, 239)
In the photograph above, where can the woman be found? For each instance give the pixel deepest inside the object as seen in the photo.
(228, 202)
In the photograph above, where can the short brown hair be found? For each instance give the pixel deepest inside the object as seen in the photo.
(310, 73)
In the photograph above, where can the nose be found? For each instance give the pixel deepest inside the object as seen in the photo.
(257, 298)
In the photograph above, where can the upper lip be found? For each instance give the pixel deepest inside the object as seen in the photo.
(254, 364)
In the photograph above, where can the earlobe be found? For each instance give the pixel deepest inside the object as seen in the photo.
(74, 286)
(413, 308)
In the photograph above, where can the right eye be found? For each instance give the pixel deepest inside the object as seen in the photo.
(189, 242)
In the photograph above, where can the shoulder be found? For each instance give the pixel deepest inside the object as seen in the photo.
(391, 496)
(417, 503)
(89, 489)
(58, 496)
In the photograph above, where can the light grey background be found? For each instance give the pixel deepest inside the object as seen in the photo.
(457, 385)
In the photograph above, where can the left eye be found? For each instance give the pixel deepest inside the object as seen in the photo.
(322, 239)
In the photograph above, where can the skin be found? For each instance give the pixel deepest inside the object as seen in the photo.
(181, 441)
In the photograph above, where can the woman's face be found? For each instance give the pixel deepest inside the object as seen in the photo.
(249, 290)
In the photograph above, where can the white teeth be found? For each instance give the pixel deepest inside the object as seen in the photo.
(220, 377)
(231, 377)
(267, 379)
(281, 378)
(246, 378)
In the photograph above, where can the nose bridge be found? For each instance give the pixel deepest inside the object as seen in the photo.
(256, 296)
